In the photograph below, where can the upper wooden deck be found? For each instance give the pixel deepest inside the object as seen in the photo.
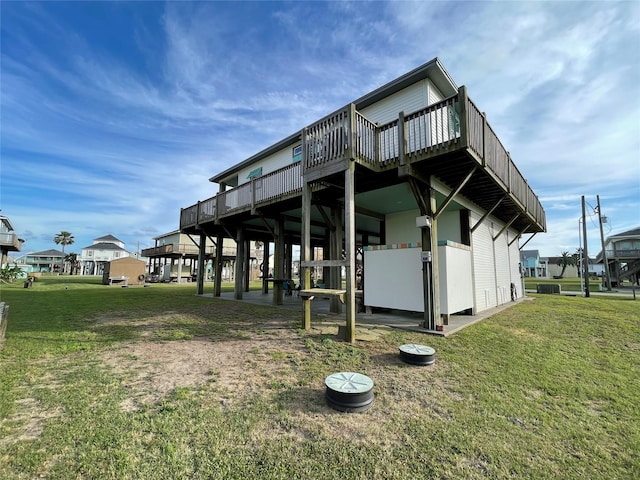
(446, 140)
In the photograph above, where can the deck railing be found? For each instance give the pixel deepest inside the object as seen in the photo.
(328, 139)
(10, 240)
(432, 128)
(170, 248)
(452, 123)
(278, 183)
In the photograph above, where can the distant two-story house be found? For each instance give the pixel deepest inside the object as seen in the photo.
(175, 255)
(533, 265)
(408, 191)
(47, 261)
(9, 241)
(104, 249)
(622, 254)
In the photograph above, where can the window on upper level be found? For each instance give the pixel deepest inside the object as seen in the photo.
(297, 154)
(117, 254)
(255, 173)
(89, 253)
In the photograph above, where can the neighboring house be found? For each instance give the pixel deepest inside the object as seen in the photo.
(409, 179)
(175, 256)
(572, 271)
(555, 268)
(47, 261)
(9, 241)
(532, 265)
(104, 249)
(623, 256)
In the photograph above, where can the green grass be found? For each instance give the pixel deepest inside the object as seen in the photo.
(547, 389)
(567, 284)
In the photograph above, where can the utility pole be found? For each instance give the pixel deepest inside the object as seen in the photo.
(585, 254)
(604, 252)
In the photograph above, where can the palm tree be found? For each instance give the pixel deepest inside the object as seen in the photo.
(63, 238)
(72, 259)
(565, 260)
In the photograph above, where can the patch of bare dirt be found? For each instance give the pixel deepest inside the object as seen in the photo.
(151, 370)
(31, 417)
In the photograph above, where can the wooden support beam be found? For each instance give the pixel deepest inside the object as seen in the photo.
(326, 218)
(239, 273)
(350, 250)
(305, 250)
(502, 230)
(518, 236)
(325, 263)
(528, 240)
(278, 262)
(487, 213)
(419, 197)
(218, 266)
(335, 253)
(265, 267)
(370, 213)
(247, 264)
(267, 226)
(202, 251)
(193, 240)
(455, 192)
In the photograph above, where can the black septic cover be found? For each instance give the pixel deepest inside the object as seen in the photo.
(417, 354)
(349, 392)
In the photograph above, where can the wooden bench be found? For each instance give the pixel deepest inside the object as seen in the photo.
(123, 280)
(312, 293)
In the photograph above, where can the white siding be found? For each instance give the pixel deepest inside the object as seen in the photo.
(408, 100)
(383, 267)
(503, 283)
(514, 259)
(483, 264)
(434, 94)
(273, 162)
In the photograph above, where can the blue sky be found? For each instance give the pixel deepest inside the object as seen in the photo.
(114, 115)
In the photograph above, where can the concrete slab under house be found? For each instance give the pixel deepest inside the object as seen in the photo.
(402, 200)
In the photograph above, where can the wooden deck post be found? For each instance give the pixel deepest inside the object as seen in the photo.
(265, 267)
(335, 247)
(202, 251)
(433, 282)
(278, 262)
(305, 251)
(350, 249)
(239, 267)
(217, 287)
(247, 264)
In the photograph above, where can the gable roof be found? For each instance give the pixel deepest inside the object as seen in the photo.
(433, 70)
(107, 238)
(47, 253)
(634, 232)
(105, 246)
(7, 222)
(529, 254)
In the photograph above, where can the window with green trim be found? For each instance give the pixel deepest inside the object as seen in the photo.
(256, 172)
(297, 154)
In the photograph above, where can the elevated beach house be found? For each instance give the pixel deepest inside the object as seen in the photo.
(408, 193)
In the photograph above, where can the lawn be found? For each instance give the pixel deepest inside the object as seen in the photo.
(157, 383)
